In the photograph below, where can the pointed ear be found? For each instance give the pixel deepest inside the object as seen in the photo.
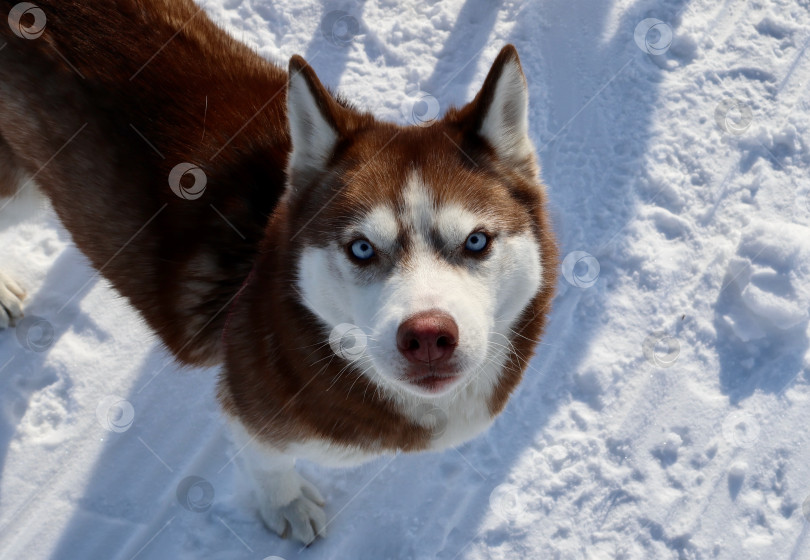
(502, 108)
(311, 112)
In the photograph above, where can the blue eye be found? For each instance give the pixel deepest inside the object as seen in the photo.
(362, 249)
(476, 242)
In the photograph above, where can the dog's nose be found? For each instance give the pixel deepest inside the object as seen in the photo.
(428, 337)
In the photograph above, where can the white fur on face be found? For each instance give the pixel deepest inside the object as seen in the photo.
(380, 227)
(485, 298)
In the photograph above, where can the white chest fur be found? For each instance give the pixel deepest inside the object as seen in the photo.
(452, 421)
(287, 500)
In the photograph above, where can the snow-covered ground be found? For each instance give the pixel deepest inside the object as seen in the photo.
(666, 414)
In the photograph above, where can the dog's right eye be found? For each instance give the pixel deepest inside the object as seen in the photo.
(361, 250)
(476, 242)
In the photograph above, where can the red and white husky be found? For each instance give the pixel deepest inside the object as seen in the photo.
(367, 287)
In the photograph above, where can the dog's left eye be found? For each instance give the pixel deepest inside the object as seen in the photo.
(476, 242)
(362, 250)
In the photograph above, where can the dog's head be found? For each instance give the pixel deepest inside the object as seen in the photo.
(418, 248)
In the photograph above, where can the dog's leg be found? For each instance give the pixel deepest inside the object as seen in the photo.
(11, 175)
(11, 294)
(288, 503)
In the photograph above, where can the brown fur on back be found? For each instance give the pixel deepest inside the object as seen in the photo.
(73, 107)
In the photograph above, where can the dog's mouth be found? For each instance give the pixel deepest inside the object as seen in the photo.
(433, 380)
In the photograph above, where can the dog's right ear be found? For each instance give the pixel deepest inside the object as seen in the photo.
(312, 114)
(502, 108)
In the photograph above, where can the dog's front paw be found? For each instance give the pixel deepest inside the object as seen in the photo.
(302, 518)
(11, 296)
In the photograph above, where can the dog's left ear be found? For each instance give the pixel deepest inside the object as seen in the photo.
(501, 109)
(313, 116)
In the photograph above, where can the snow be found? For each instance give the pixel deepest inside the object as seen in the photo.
(665, 414)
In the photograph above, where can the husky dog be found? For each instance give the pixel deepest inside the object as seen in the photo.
(368, 287)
